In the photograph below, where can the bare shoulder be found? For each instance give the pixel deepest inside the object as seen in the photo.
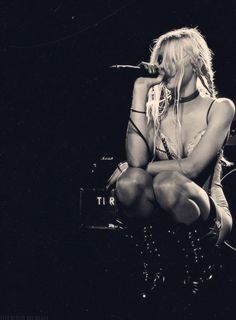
(223, 107)
(226, 104)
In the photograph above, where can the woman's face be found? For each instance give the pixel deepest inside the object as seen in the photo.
(172, 71)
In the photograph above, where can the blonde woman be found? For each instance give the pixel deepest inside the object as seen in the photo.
(175, 139)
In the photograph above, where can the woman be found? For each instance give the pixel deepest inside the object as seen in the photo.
(177, 117)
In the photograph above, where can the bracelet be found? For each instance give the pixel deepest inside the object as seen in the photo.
(137, 111)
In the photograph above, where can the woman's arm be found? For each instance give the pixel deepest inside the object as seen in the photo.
(137, 152)
(136, 149)
(220, 119)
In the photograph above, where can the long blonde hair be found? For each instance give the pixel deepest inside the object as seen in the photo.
(177, 45)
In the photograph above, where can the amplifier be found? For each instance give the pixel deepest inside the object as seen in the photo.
(97, 207)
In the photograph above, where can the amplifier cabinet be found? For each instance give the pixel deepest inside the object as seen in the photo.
(97, 206)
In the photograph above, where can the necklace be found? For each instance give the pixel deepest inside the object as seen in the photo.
(192, 96)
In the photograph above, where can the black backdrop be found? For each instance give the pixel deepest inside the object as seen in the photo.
(61, 108)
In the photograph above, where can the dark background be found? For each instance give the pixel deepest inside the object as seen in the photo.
(61, 109)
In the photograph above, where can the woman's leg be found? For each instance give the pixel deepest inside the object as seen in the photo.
(181, 197)
(190, 207)
(188, 203)
(134, 191)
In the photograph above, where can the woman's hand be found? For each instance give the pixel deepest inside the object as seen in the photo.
(143, 84)
(147, 82)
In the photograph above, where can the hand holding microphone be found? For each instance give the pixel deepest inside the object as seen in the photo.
(155, 74)
(149, 67)
(143, 66)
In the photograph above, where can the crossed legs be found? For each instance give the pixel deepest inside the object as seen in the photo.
(139, 194)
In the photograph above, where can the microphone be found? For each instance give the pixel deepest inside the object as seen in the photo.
(141, 68)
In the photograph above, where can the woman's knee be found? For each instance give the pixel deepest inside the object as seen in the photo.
(168, 187)
(131, 185)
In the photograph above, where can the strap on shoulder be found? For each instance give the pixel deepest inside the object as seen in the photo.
(208, 111)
